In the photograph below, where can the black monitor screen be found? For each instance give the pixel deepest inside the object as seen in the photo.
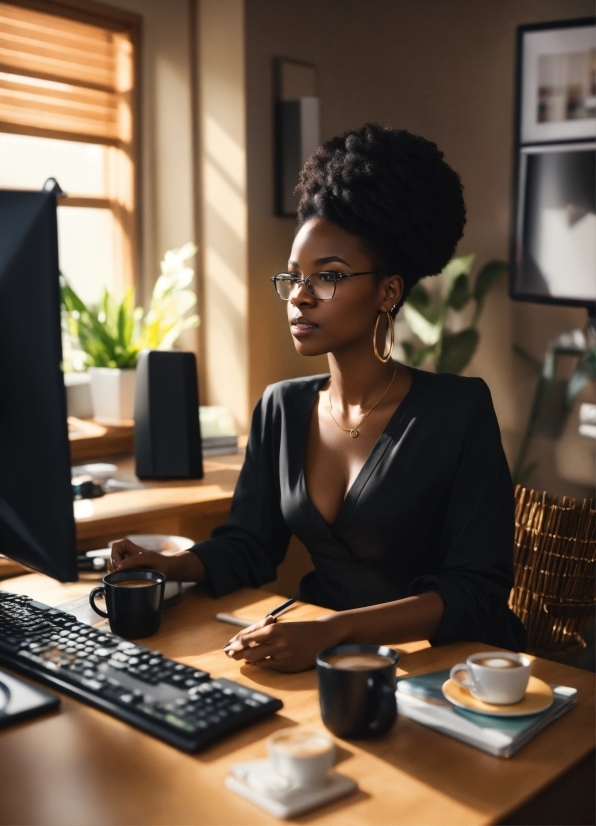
(555, 238)
(36, 511)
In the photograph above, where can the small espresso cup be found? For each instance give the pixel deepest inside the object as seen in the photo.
(357, 689)
(134, 600)
(303, 756)
(498, 677)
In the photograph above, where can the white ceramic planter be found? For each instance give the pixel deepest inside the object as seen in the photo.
(78, 395)
(112, 394)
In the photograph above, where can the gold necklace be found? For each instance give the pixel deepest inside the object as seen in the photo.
(353, 431)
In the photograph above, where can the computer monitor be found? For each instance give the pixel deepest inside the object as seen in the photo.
(554, 256)
(36, 510)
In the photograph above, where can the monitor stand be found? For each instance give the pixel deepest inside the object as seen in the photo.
(20, 700)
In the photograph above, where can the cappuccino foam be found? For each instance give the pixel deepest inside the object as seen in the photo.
(303, 744)
(498, 662)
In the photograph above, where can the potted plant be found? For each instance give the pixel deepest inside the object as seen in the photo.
(109, 336)
(444, 318)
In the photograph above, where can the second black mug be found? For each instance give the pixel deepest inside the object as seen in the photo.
(134, 601)
(357, 689)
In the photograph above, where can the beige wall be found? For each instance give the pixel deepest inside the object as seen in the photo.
(224, 238)
(167, 172)
(442, 69)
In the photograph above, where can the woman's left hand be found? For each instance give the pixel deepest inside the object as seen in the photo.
(283, 646)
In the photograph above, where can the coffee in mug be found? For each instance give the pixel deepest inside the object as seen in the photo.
(134, 601)
(302, 756)
(499, 678)
(357, 689)
(358, 662)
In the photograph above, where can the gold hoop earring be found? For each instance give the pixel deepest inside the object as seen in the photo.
(384, 359)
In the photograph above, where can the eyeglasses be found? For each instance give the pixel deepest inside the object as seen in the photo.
(321, 285)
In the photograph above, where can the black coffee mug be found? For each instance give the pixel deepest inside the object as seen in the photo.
(133, 611)
(357, 702)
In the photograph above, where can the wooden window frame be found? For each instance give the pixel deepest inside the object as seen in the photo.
(118, 20)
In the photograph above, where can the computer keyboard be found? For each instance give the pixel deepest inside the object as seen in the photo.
(179, 704)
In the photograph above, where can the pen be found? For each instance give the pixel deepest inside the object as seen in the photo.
(280, 608)
(275, 612)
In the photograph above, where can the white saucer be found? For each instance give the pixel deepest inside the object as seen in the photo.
(258, 782)
(162, 543)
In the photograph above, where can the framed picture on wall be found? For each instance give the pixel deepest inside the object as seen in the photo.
(553, 248)
(557, 81)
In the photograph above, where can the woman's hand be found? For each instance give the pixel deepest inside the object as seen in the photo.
(283, 646)
(183, 567)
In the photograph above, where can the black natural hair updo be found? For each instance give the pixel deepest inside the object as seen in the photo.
(394, 191)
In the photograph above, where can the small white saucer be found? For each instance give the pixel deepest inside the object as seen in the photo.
(258, 782)
(162, 543)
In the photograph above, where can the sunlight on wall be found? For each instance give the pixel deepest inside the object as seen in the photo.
(224, 216)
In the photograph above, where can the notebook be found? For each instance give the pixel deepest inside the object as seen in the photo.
(421, 699)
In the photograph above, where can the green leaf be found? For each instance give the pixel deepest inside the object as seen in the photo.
(422, 354)
(487, 277)
(459, 295)
(415, 357)
(583, 373)
(457, 266)
(408, 349)
(457, 351)
(530, 360)
(111, 334)
(419, 299)
(428, 333)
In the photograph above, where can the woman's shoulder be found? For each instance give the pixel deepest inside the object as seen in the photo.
(451, 390)
(286, 392)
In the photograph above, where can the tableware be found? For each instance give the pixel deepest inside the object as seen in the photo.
(258, 782)
(134, 600)
(498, 677)
(538, 697)
(100, 471)
(162, 543)
(357, 689)
(303, 756)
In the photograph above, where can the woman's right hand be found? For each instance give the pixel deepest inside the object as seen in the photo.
(183, 567)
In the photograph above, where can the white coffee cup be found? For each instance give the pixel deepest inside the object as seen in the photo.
(303, 756)
(498, 677)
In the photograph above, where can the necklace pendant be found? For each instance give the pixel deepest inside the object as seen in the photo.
(353, 433)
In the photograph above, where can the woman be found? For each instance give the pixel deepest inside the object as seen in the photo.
(394, 479)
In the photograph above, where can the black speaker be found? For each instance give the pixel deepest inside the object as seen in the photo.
(167, 429)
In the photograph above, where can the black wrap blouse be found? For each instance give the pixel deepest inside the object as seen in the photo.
(430, 510)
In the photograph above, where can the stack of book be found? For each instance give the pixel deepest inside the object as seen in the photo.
(218, 434)
(422, 699)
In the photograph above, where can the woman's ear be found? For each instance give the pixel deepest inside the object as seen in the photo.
(392, 291)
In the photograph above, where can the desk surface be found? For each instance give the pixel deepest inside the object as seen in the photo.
(183, 502)
(80, 766)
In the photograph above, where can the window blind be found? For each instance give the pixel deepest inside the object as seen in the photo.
(62, 77)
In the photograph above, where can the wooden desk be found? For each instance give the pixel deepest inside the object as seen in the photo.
(80, 766)
(185, 508)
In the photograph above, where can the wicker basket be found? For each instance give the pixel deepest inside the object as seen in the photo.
(555, 563)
